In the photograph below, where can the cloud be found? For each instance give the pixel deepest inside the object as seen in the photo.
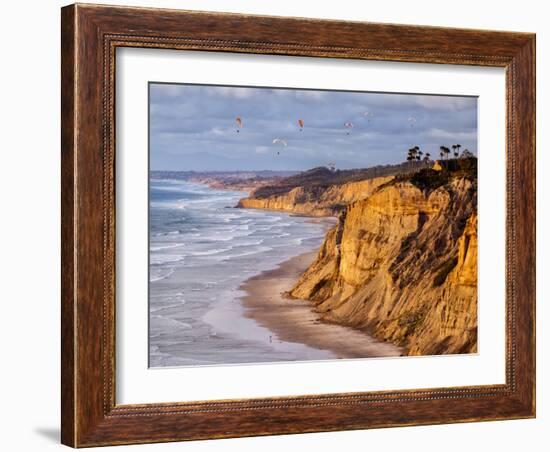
(230, 92)
(159, 90)
(446, 102)
(311, 95)
(307, 95)
(219, 131)
(452, 135)
(262, 149)
(193, 127)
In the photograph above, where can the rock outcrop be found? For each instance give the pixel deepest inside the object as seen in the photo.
(321, 191)
(402, 263)
(316, 200)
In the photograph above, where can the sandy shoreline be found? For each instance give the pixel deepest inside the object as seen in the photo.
(295, 321)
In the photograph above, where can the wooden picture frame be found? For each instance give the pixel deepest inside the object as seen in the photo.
(90, 36)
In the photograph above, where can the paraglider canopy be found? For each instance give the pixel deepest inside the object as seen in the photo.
(301, 124)
(239, 122)
(280, 141)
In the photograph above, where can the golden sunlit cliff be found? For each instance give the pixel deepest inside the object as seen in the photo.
(316, 201)
(321, 191)
(401, 263)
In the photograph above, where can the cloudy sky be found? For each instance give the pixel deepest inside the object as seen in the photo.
(194, 127)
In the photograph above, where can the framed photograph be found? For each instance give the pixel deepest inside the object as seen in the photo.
(281, 225)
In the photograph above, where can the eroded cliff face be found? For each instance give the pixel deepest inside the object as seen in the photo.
(402, 264)
(316, 200)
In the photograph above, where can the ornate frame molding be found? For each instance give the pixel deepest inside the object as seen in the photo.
(90, 37)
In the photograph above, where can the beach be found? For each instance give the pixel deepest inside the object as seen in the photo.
(293, 320)
(217, 275)
(201, 251)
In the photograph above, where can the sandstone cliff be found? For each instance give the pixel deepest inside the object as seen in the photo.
(402, 263)
(315, 200)
(321, 191)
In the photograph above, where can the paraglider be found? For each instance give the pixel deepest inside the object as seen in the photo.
(411, 120)
(239, 122)
(280, 142)
(349, 126)
(368, 115)
(301, 124)
(331, 166)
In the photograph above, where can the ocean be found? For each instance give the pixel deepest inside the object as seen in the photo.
(201, 250)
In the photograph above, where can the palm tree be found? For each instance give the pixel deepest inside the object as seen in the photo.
(458, 146)
(417, 152)
(411, 155)
(454, 150)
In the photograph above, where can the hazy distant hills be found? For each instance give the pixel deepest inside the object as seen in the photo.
(325, 177)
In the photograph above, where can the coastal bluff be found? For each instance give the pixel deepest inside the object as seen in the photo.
(401, 262)
(321, 192)
(316, 201)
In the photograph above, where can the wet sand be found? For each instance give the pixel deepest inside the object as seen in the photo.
(295, 320)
